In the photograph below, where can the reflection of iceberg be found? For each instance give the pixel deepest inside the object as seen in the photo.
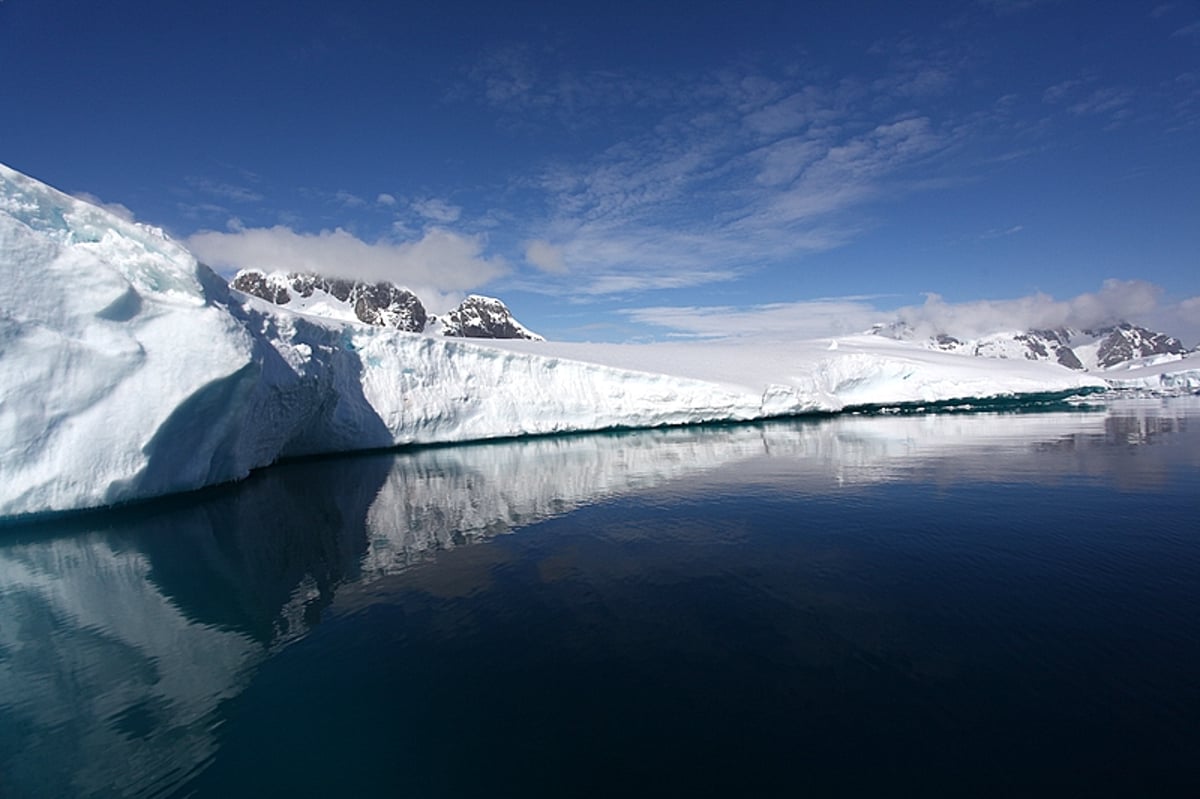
(104, 683)
(478, 491)
(120, 640)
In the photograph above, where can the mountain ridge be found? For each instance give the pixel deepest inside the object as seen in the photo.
(383, 304)
(1093, 349)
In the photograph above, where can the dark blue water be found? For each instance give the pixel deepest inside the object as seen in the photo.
(966, 605)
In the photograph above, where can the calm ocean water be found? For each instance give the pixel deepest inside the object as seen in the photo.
(957, 604)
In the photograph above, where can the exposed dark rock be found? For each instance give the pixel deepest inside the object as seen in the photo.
(1058, 335)
(256, 284)
(386, 305)
(1126, 342)
(1037, 349)
(484, 317)
(1067, 357)
(946, 342)
(380, 304)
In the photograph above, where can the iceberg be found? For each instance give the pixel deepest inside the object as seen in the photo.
(130, 370)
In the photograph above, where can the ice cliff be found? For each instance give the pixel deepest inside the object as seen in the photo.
(129, 370)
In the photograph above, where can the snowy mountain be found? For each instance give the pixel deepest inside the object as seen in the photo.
(1125, 342)
(151, 376)
(382, 304)
(1092, 350)
(483, 317)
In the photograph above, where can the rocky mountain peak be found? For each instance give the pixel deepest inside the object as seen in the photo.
(484, 317)
(1126, 342)
(1101, 348)
(383, 304)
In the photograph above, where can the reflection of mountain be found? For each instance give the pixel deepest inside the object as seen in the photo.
(120, 641)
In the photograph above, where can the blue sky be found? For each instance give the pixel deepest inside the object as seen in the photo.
(646, 170)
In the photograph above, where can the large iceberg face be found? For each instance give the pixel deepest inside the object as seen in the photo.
(107, 329)
(129, 371)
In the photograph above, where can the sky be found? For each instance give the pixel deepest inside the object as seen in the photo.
(647, 171)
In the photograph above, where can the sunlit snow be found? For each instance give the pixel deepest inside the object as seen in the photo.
(130, 371)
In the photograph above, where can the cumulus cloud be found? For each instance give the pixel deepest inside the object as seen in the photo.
(1117, 300)
(545, 256)
(438, 267)
(385, 199)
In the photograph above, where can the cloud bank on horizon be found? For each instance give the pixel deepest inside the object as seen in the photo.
(635, 175)
(1116, 301)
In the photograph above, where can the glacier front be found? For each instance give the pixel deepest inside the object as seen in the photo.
(129, 370)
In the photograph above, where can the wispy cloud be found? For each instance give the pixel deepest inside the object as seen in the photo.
(437, 210)
(1081, 98)
(999, 233)
(1110, 100)
(226, 191)
(1060, 91)
(746, 170)
(348, 199)
(1006, 7)
(1191, 31)
(530, 88)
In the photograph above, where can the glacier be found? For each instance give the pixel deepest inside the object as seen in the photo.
(130, 370)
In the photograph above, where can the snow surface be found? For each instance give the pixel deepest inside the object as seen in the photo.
(318, 303)
(129, 371)
(1158, 372)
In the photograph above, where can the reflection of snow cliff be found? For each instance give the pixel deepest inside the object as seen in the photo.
(122, 636)
(104, 683)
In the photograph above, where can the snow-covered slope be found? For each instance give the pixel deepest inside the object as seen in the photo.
(1158, 373)
(131, 371)
(1030, 345)
(1107, 348)
(380, 304)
